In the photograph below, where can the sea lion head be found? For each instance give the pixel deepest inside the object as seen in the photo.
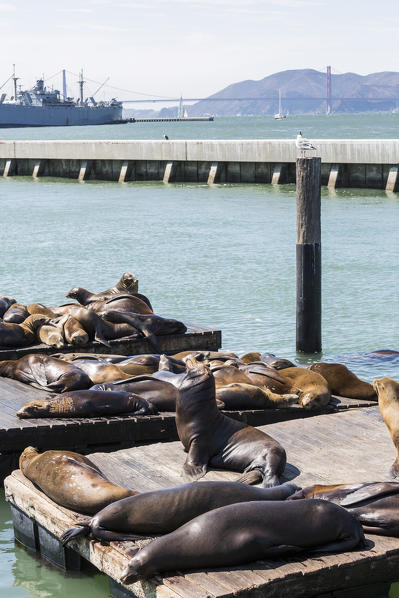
(35, 321)
(197, 373)
(314, 400)
(387, 390)
(34, 409)
(74, 293)
(129, 281)
(26, 457)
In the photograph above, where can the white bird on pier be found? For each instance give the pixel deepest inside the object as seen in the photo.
(303, 144)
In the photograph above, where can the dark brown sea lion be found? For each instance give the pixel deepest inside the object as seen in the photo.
(159, 393)
(150, 325)
(84, 297)
(245, 532)
(87, 403)
(5, 303)
(249, 396)
(374, 504)
(21, 335)
(208, 436)
(170, 364)
(127, 367)
(126, 285)
(71, 480)
(120, 303)
(206, 355)
(162, 511)
(314, 390)
(16, 313)
(45, 372)
(387, 390)
(343, 382)
(276, 362)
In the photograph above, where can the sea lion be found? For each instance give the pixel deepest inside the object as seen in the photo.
(84, 297)
(16, 313)
(51, 334)
(374, 504)
(71, 480)
(21, 335)
(87, 403)
(314, 392)
(39, 308)
(127, 367)
(170, 364)
(89, 321)
(250, 357)
(100, 371)
(121, 303)
(276, 362)
(387, 390)
(258, 374)
(343, 382)
(245, 532)
(205, 355)
(159, 393)
(45, 372)
(249, 396)
(150, 325)
(209, 437)
(74, 333)
(162, 511)
(126, 285)
(5, 303)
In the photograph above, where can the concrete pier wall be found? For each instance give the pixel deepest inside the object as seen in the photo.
(348, 163)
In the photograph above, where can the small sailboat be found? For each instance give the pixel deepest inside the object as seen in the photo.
(279, 115)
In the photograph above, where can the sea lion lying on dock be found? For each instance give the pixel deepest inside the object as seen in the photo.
(374, 504)
(343, 382)
(209, 437)
(71, 480)
(100, 371)
(5, 303)
(127, 285)
(87, 403)
(121, 303)
(387, 390)
(161, 394)
(249, 396)
(45, 372)
(314, 392)
(163, 511)
(16, 313)
(21, 335)
(245, 532)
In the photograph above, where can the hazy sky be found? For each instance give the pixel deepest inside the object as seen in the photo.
(196, 47)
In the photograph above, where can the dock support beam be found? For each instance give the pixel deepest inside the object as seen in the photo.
(36, 169)
(123, 172)
(8, 168)
(213, 171)
(168, 174)
(333, 177)
(308, 255)
(276, 174)
(392, 179)
(83, 171)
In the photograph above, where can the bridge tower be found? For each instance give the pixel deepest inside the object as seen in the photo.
(328, 95)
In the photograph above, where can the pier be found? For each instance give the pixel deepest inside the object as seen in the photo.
(325, 449)
(362, 163)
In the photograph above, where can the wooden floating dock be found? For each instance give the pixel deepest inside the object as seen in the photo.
(347, 447)
(107, 433)
(197, 338)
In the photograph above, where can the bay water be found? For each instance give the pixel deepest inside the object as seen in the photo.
(221, 256)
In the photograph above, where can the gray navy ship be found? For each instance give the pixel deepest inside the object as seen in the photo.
(42, 107)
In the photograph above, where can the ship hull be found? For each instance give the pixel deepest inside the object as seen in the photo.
(16, 115)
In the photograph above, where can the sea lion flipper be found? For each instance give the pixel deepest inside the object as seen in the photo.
(193, 472)
(370, 491)
(82, 530)
(251, 477)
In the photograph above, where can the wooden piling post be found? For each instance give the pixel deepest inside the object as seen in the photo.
(308, 255)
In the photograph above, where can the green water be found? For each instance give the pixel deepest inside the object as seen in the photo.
(221, 256)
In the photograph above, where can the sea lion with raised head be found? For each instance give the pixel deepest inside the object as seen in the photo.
(314, 392)
(16, 313)
(21, 335)
(126, 285)
(121, 303)
(87, 403)
(374, 504)
(246, 532)
(209, 437)
(343, 382)
(163, 511)
(387, 390)
(71, 480)
(45, 372)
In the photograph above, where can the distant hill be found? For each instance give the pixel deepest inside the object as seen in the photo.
(298, 88)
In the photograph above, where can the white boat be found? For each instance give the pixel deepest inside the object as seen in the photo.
(279, 115)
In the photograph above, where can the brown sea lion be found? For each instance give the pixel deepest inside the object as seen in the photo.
(249, 396)
(250, 357)
(89, 321)
(208, 436)
(84, 297)
(39, 308)
(258, 374)
(343, 382)
(170, 364)
(162, 511)
(387, 390)
(100, 372)
(87, 403)
(73, 331)
(45, 372)
(374, 504)
(16, 313)
(150, 325)
(314, 390)
(126, 285)
(159, 393)
(5, 303)
(21, 335)
(120, 303)
(245, 532)
(276, 362)
(205, 355)
(51, 334)
(71, 480)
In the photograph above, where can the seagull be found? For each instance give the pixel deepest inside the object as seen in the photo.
(303, 144)
(165, 137)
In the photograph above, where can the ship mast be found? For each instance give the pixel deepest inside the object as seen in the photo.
(15, 79)
(81, 83)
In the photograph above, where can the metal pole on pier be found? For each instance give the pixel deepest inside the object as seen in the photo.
(308, 255)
